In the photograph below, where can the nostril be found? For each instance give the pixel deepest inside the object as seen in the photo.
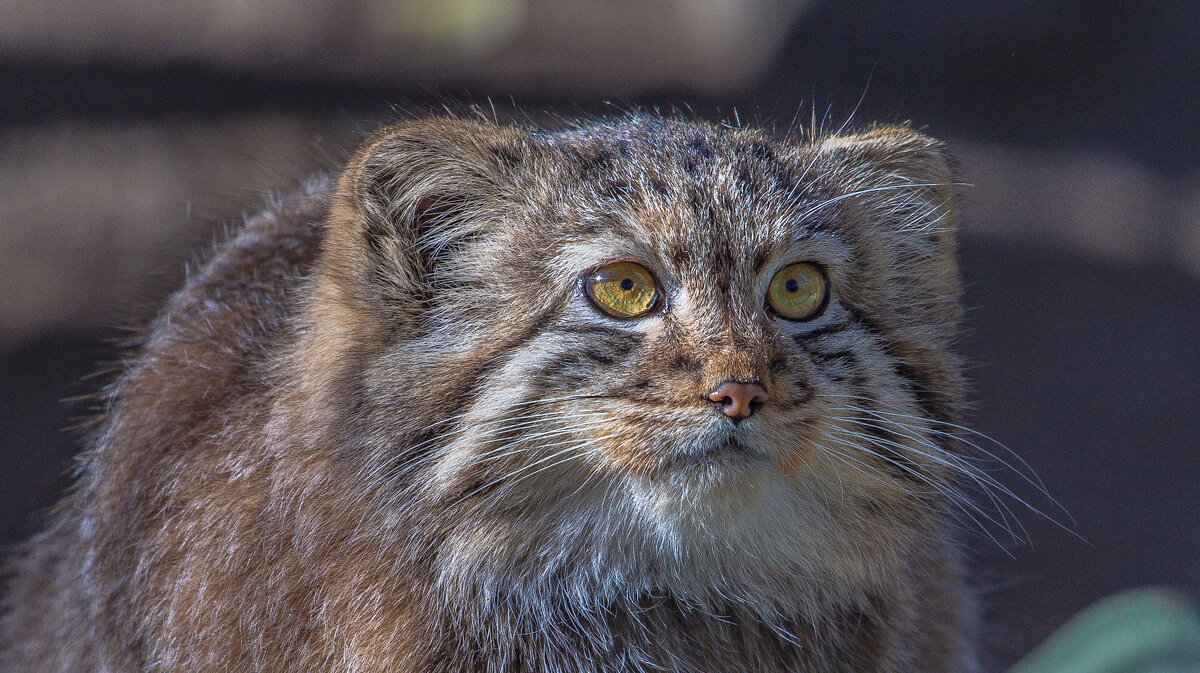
(738, 399)
(723, 403)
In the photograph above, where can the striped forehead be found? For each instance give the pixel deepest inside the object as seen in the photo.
(703, 202)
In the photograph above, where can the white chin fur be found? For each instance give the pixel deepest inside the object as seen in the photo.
(748, 537)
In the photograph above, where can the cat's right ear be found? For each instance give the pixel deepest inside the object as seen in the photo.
(413, 192)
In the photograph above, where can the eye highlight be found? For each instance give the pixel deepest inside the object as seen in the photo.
(798, 291)
(622, 289)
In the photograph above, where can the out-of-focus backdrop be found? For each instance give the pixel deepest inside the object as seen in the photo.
(132, 132)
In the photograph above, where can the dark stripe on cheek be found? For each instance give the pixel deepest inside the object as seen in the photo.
(586, 361)
(932, 403)
(599, 356)
(881, 440)
(848, 359)
(900, 465)
(555, 375)
(477, 486)
(593, 332)
(866, 321)
(611, 349)
(837, 365)
(806, 391)
(466, 395)
(461, 392)
(820, 332)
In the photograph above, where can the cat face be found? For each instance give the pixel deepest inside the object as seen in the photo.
(654, 334)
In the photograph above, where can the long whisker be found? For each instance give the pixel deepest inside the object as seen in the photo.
(941, 457)
(515, 450)
(1032, 476)
(851, 461)
(386, 471)
(1028, 474)
(987, 483)
(525, 443)
(571, 445)
(914, 434)
(964, 504)
(590, 452)
(956, 463)
(411, 454)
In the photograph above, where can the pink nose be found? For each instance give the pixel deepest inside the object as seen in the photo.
(738, 400)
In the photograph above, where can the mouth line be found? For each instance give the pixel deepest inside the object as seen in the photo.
(730, 452)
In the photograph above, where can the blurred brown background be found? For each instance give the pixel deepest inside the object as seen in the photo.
(132, 132)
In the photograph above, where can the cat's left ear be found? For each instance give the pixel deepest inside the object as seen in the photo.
(908, 163)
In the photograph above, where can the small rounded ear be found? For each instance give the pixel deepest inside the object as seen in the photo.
(899, 149)
(410, 194)
(912, 164)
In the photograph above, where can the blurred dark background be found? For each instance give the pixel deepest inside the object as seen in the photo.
(131, 133)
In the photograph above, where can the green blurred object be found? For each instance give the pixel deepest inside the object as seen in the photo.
(1138, 631)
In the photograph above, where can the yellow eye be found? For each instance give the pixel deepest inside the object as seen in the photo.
(622, 290)
(798, 291)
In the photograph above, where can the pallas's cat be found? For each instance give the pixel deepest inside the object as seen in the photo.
(637, 395)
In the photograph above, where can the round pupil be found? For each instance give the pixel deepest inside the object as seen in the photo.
(627, 284)
(791, 285)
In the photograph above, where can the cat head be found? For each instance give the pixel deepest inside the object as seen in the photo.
(648, 352)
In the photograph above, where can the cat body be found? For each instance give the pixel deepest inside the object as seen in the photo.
(388, 427)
